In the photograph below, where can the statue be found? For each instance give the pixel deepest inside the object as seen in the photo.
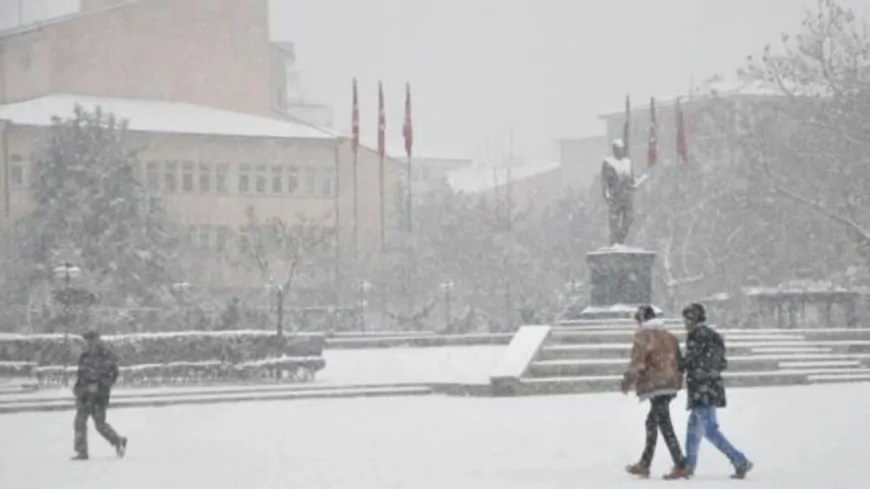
(618, 186)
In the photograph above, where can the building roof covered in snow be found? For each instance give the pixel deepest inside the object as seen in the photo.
(160, 117)
(476, 179)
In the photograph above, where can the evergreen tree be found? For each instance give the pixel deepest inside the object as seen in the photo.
(89, 202)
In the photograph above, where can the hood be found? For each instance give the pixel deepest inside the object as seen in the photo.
(654, 323)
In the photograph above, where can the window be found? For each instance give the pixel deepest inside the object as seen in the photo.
(244, 244)
(326, 182)
(261, 179)
(205, 237)
(220, 239)
(310, 180)
(170, 176)
(244, 178)
(204, 178)
(190, 236)
(16, 171)
(220, 183)
(152, 173)
(277, 180)
(292, 179)
(187, 176)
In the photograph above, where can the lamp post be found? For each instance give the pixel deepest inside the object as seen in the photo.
(447, 287)
(279, 307)
(363, 289)
(573, 286)
(66, 272)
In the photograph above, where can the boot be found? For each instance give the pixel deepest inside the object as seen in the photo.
(79, 456)
(677, 473)
(740, 472)
(638, 469)
(121, 448)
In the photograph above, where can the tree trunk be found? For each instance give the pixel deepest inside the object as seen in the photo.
(280, 323)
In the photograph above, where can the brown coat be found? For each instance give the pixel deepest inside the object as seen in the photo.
(655, 367)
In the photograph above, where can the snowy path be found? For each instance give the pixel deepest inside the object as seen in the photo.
(800, 438)
(381, 366)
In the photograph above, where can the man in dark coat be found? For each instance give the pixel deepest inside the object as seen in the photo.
(704, 362)
(97, 372)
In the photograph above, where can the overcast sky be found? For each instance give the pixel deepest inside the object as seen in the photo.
(546, 68)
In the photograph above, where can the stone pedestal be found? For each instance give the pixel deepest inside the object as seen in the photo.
(620, 281)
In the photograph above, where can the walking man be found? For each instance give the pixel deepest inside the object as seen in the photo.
(97, 372)
(655, 373)
(704, 362)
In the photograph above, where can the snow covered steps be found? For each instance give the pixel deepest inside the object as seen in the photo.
(591, 357)
(129, 399)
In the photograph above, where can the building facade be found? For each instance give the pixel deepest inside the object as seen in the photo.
(210, 104)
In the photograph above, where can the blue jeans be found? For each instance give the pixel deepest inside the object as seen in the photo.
(703, 424)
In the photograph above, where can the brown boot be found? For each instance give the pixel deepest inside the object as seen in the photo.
(677, 473)
(639, 470)
(740, 472)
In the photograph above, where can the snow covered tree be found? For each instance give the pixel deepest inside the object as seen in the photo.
(89, 203)
(286, 254)
(807, 137)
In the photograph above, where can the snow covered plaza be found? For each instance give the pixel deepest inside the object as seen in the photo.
(799, 438)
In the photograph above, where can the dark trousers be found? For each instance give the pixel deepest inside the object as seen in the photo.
(92, 407)
(659, 419)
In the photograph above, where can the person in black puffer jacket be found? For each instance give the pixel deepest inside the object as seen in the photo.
(703, 363)
(97, 373)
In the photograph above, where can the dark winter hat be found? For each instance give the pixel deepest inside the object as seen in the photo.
(91, 334)
(695, 312)
(645, 313)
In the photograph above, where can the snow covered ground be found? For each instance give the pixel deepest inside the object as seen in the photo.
(799, 438)
(463, 364)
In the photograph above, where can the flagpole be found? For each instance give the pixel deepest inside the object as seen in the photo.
(355, 129)
(407, 130)
(337, 199)
(510, 230)
(382, 149)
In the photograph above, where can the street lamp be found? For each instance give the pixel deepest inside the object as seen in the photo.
(66, 272)
(363, 289)
(573, 286)
(447, 287)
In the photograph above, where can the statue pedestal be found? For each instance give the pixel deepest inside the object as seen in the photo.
(620, 280)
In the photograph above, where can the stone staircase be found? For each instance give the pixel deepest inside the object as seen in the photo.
(590, 356)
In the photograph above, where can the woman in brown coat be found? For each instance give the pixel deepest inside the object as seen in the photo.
(655, 372)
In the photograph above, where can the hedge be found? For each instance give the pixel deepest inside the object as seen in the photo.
(232, 347)
(282, 368)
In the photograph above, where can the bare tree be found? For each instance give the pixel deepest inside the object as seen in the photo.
(284, 253)
(810, 138)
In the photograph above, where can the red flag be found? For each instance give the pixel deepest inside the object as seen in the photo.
(355, 118)
(652, 156)
(682, 147)
(382, 122)
(408, 128)
(626, 127)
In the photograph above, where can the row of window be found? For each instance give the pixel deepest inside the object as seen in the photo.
(217, 238)
(204, 178)
(206, 237)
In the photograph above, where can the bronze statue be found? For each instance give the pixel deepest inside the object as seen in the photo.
(618, 186)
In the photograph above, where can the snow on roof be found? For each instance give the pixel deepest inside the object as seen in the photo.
(481, 178)
(160, 116)
(715, 88)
